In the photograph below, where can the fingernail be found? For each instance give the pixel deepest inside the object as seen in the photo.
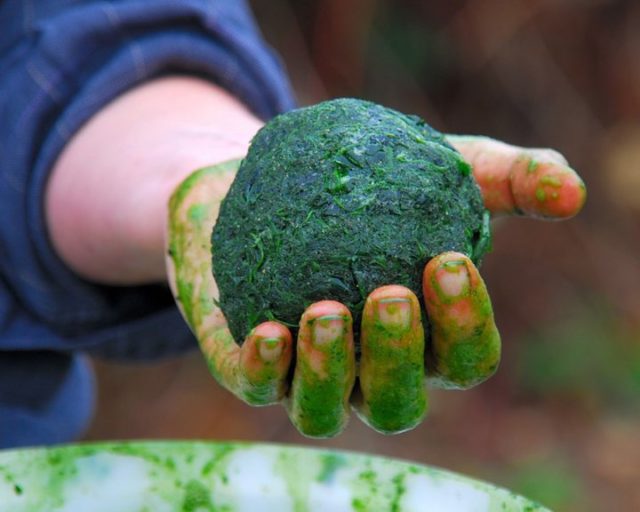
(270, 349)
(327, 329)
(452, 278)
(395, 313)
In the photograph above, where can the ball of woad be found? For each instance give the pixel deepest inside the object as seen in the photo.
(333, 201)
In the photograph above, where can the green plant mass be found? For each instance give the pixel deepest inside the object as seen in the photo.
(335, 200)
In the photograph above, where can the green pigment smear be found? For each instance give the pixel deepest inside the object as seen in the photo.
(319, 408)
(172, 477)
(197, 498)
(466, 355)
(182, 232)
(335, 200)
(396, 398)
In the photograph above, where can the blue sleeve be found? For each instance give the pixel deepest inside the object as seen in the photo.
(60, 62)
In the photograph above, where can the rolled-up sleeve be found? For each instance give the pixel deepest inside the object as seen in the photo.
(60, 62)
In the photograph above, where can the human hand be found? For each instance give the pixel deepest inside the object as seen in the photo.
(107, 223)
(390, 395)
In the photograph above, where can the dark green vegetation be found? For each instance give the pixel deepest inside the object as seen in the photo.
(335, 200)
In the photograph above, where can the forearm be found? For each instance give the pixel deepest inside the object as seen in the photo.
(106, 201)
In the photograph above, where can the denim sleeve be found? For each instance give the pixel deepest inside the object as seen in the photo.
(60, 62)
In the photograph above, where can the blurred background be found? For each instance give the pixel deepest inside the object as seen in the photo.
(560, 421)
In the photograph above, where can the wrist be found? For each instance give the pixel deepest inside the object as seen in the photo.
(107, 197)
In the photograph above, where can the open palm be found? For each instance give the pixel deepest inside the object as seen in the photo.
(386, 387)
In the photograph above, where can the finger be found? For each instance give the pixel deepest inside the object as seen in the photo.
(325, 370)
(465, 342)
(255, 372)
(392, 396)
(513, 180)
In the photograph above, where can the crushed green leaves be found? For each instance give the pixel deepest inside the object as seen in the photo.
(335, 200)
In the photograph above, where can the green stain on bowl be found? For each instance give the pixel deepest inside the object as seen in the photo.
(331, 463)
(197, 497)
(213, 463)
(230, 477)
(398, 482)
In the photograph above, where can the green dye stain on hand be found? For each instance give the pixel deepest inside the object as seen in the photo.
(468, 361)
(321, 401)
(335, 200)
(395, 398)
(198, 213)
(553, 181)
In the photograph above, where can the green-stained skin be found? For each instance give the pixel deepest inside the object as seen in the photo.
(335, 200)
(184, 230)
(396, 399)
(475, 355)
(321, 408)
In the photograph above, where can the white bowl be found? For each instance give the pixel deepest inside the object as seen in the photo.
(229, 477)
